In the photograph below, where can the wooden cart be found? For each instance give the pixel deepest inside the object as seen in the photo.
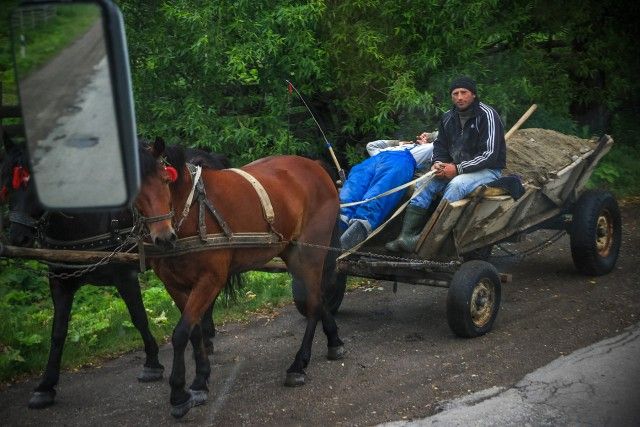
(457, 240)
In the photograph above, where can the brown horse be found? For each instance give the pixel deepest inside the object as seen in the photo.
(305, 206)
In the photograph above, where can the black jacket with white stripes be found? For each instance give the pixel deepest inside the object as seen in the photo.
(479, 145)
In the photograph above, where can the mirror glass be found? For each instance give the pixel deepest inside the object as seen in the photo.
(67, 101)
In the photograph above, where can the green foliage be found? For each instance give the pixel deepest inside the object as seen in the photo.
(618, 171)
(212, 74)
(44, 38)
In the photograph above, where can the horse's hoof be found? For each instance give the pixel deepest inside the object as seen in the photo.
(335, 353)
(42, 399)
(199, 396)
(179, 411)
(150, 374)
(196, 398)
(295, 379)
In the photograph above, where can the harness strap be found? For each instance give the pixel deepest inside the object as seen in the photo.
(195, 172)
(267, 208)
(204, 201)
(101, 241)
(214, 241)
(21, 218)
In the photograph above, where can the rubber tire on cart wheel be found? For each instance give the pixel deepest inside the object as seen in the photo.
(333, 296)
(596, 233)
(473, 299)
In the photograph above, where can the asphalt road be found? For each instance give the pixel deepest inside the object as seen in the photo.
(403, 362)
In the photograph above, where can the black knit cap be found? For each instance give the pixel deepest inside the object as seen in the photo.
(463, 82)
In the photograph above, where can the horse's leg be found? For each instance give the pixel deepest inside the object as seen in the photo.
(192, 310)
(335, 346)
(208, 329)
(198, 388)
(129, 290)
(309, 273)
(180, 398)
(295, 374)
(62, 295)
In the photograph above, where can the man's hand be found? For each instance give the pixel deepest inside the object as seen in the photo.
(444, 170)
(423, 138)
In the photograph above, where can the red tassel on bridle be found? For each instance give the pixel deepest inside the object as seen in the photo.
(20, 177)
(172, 173)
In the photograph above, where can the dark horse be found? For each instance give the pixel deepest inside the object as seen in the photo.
(86, 231)
(304, 204)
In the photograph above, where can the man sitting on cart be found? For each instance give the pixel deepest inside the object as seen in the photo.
(470, 151)
(392, 163)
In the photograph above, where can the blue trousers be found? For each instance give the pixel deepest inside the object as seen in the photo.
(455, 189)
(371, 177)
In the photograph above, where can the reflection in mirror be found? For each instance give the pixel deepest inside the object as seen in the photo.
(67, 102)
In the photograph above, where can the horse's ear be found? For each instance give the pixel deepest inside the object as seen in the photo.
(158, 147)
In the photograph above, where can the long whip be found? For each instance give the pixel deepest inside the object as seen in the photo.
(329, 146)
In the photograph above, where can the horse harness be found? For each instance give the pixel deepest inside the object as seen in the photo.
(104, 241)
(204, 241)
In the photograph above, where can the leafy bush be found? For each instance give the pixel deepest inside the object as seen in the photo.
(618, 171)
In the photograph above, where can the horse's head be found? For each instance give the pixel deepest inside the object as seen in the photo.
(18, 190)
(154, 199)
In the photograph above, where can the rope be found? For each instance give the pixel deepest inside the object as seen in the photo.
(393, 190)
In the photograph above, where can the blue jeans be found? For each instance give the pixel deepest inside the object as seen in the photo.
(455, 189)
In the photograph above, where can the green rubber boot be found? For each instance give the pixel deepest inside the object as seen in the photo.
(414, 219)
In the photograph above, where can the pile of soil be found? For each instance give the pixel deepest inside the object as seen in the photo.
(536, 154)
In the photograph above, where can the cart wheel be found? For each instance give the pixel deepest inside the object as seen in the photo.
(596, 233)
(473, 299)
(333, 294)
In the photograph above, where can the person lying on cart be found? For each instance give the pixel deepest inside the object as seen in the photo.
(470, 151)
(392, 163)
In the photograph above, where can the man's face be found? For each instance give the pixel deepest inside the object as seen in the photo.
(462, 98)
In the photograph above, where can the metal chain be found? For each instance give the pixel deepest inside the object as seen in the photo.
(105, 260)
(131, 239)
(449, 264)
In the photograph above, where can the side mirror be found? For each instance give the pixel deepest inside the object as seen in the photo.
(74, 84)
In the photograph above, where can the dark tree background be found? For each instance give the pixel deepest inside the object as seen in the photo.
(212, 73)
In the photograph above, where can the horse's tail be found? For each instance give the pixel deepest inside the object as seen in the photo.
(235, 282)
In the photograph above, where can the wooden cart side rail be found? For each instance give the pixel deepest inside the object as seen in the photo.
(604, 145)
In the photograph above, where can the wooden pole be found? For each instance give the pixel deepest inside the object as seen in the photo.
(519, 123)
(56, 255)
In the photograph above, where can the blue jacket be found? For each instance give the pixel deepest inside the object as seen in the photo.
(479, 145)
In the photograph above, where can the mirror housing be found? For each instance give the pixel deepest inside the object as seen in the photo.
(77, 104)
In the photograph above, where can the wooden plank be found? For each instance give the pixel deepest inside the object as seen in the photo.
(488, 217)
(439, 227)
(511, 230)
(553, 189)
